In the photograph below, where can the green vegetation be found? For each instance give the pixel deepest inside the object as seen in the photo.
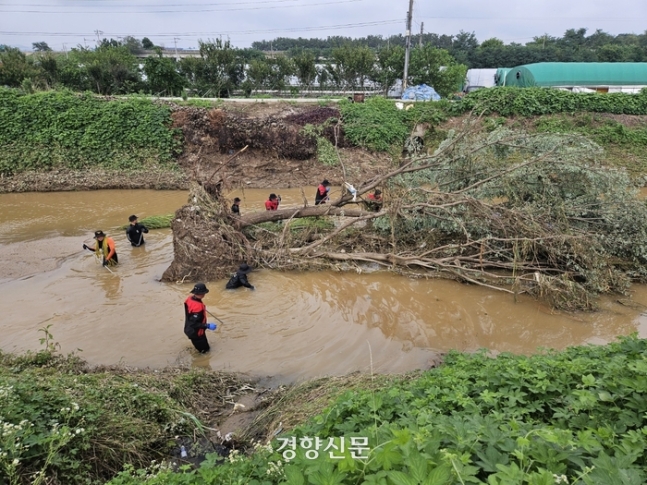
(51, 130)
(378, 124)
(573, 46)
(541, 101)
(326, 152)
(561, 417)
(311, 224)
(155, 222)
(62, 423)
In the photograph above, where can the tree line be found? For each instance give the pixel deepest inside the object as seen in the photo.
(335, 63)
(221, 70)
(574, 46)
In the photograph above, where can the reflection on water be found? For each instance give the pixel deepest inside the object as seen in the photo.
(293, 326)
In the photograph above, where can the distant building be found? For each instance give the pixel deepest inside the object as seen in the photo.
(603, 77)
(500, 74)
(479, 78)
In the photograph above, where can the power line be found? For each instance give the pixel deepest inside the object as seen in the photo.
(197, 34)
(184, 10)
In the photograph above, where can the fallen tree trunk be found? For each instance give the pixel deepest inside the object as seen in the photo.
(283, 214)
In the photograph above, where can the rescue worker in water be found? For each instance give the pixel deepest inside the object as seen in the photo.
(195, 318)
(104, 249)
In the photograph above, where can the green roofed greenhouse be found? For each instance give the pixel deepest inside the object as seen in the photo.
(501, 73)
(598, 75)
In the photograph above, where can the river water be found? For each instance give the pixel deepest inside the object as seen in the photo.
(294, 326)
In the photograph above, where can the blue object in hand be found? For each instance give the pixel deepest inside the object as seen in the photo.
(211, 326)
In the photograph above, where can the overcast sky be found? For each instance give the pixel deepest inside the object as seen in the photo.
(165, 22)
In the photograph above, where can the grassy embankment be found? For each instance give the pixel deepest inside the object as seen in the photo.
(72, 132)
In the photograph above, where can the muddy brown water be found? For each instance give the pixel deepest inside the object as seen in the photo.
(294, 326)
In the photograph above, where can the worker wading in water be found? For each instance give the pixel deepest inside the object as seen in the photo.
(322, 192)
(195, 318)
(104, 249)
(135, 232)
(240, 278)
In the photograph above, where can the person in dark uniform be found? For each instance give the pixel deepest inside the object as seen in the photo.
(322, 192)
(240, 278)
(104, 249)
(235, 208)
(195, 320)
(135, 232)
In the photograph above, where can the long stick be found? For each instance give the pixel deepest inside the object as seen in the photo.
(215, 317)
(99, 261)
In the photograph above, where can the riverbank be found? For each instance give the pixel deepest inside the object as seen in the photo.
(571, 418)
(61, 180)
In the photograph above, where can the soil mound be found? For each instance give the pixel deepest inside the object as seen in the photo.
(275, 135)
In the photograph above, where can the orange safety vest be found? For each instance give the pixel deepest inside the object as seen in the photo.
(106, 250)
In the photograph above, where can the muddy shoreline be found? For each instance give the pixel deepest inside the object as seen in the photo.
(252, 170)
(93, 179)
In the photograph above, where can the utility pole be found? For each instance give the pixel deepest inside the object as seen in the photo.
(422, 29)
(177, 57)
(99, 34)
(408, 46)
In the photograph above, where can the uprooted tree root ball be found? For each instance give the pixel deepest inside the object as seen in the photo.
(206, 244)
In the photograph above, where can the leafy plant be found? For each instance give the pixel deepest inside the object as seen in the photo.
(556, 417)
(326, 152)
(541, 101)
(51, 130)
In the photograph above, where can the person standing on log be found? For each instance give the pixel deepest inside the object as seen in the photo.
(104, 249)
(195, 318)
(322, 192)
(272, 204)
(135, 232)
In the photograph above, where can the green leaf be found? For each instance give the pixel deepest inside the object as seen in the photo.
(399, 478)
(605, 396)
(439, 476)
(387, 456)
(294, 475)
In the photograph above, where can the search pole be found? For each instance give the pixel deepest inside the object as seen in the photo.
(408, 46)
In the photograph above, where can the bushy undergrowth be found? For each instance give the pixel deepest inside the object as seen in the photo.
(603, 131)
(61, 423)
(49, 130)
(541, 101)
(576, 417)
(378, 124)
